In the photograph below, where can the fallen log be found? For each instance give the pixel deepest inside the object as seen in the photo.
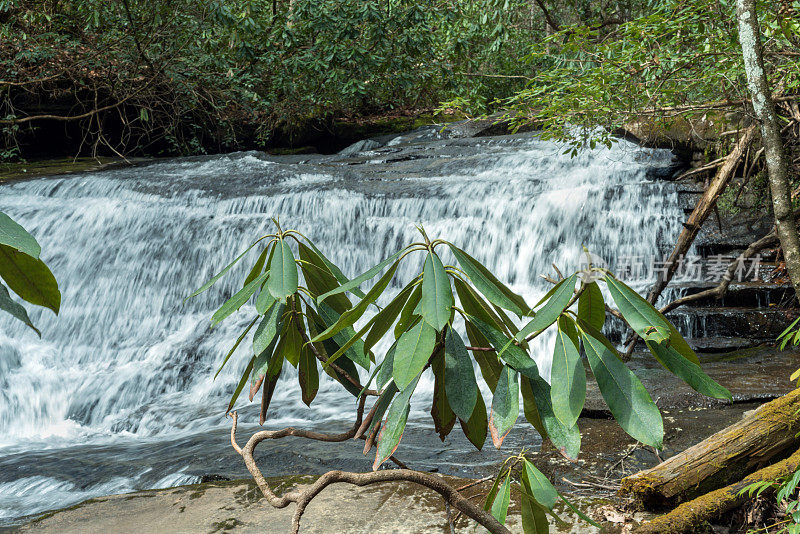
(759, 438)
(689, 516)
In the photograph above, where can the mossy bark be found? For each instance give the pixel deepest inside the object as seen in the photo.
(689, 516)
(758, 439)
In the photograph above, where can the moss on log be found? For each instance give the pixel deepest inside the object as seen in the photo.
(758, 439)
(688, 516)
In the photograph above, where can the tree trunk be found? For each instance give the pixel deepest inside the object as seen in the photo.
(777, 164)
(689, 516)
(721, 459)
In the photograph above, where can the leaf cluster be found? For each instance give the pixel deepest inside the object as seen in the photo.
(24, 272)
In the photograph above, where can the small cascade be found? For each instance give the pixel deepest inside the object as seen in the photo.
(128, 362)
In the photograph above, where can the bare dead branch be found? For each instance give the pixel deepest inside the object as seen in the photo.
(302, 497)
(721, 290)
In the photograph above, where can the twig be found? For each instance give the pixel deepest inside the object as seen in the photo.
(474, 483)
(722, 288)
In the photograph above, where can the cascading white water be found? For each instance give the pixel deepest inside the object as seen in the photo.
(127, 360)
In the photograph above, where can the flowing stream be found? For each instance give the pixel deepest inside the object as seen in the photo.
(118, 393)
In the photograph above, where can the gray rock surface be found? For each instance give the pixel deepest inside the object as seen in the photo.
(238, 507)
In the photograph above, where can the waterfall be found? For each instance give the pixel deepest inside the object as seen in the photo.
(127, 360)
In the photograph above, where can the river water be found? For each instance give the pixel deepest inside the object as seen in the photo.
(118, 394)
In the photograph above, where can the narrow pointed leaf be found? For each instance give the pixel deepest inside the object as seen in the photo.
(283, 271)
(677, 342)
(566, 439)
(443, 416)
(237, 300)
(567, 377)
(385, 318)
(308, 376)
(551, 309)
(502, 500)
(268, 328)
(476, 427)
(328, 346)
(355, 350)
(437, 295)
(258, 266)
(492, 288)
(505, 406)
(349, 317)
(488, 362)
(381, 405)
(789, 328)
(628, 400)
(459, 377)
(355, 338)
(386, 367)
(414, 348)
(375, 371)
(29, 278)
(539, 487)
(266, 395)
(534, 519)
(645, 320)
(8, 305)
(261, 365)
(690, 372)
(591, 306)
(340, 277)
(490, 496)
(16, 237)
(529, 408)
(579, 513)
(241, 384)
(291, 342)
(319, 279)
(473, 304)
(513, 355)
(264, 300)
(348, 367)
(392, 430)
(407, 315)
(220, 274)
(235, 346)
(360, 279)
(506, 321)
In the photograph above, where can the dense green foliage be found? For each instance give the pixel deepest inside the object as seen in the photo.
(187, 76)
(670, 62)
(307, 320)
(191, 76)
